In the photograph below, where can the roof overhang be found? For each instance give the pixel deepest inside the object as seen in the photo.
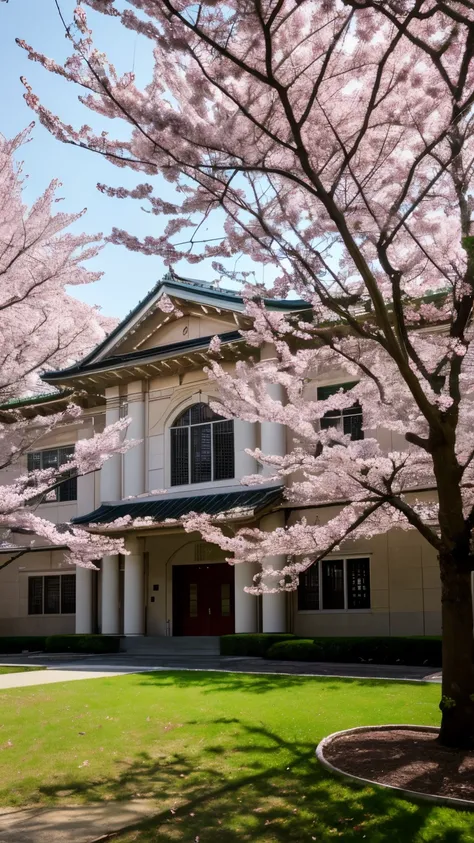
(163, 511)
(149, 363)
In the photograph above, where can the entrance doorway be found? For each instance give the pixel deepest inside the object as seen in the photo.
(203, 599)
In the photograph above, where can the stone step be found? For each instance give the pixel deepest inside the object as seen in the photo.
(161, 645)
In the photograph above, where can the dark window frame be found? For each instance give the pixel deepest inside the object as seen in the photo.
(66, 492)
(350, 419)
(202, 447)
(356, 582)
(41, 589)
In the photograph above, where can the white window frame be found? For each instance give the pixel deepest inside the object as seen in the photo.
(59, 574)
(345, 610)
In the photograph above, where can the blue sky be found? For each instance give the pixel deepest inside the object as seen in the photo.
(127, 276)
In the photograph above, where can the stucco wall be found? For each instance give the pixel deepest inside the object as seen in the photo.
(14, 618)
(404, 586)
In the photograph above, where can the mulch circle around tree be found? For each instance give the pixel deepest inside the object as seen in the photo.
(406, 758)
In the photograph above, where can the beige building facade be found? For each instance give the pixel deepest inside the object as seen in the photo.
(171, 583)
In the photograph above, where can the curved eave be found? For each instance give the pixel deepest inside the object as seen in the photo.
(174, 361)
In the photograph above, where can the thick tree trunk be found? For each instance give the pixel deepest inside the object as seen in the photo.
(457, 702)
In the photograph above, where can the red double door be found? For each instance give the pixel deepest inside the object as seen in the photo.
(203, 599)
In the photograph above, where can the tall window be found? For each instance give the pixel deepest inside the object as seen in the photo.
(335, 584)
(349, 421)
(202, 446)
(54, 458)
(54, 594)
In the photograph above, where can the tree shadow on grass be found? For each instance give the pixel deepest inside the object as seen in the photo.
(249, 784)
(257, 683)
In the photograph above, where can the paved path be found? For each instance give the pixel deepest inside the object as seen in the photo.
(47, 677)
(81, 824)
(63, 669)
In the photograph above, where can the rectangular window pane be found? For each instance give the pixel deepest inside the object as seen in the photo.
(352, 422)
(308, 589)
(49, 459)
(358, 584)
(225, 600)
(67, 491)
(193, 600)
(35, 595)
(65, 454)
(330, 419)
(51, 595)
(201, 453)
(223, 442)
(179, 456)
(34, 461)
(68, 594)
(325, 392)
(333, 584)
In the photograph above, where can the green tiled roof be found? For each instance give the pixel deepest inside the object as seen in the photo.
(46, 397)
(161, 509)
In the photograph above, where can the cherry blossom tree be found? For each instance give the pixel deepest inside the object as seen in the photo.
(335, 139)
(42, 327)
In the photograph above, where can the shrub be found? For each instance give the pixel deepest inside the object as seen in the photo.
(82, 644)
(251, 644)
(409, 651)
(18, 643)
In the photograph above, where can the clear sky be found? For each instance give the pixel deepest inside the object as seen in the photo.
(127, 276)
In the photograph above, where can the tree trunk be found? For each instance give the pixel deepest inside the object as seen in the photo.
(457, 702)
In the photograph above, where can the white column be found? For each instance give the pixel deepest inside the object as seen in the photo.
(245, 436)
(273, 605)
(111, 471)
(245, 604)
(272, 434)
(85, 504)
(110, 595)
(134, 460)
(83, 601)
(134, 590)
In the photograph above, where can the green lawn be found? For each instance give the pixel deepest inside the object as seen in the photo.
(229, 757)
(19, 669)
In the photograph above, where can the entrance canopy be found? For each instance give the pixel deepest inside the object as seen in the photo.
(237, 504)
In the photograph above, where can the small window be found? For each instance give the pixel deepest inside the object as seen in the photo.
(349, 420)
(225, 600)
(53, 458)
(53, 594)
(335, 584)
(193, 600)
(202, 447)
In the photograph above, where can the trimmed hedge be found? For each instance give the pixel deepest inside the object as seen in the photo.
(410, 651)
(251, 644)
(18, 643)
(82, 644)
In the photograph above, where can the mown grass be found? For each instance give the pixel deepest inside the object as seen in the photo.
(227, 757)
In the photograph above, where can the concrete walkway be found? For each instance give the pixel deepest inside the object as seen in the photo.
(51, 675)
(80, 824)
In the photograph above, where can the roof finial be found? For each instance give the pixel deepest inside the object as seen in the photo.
(169, 275)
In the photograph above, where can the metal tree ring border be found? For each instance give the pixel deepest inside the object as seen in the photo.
(450, 801)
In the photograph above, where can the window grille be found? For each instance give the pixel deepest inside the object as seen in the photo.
(200, 552)
(202, 447)
(349, 420)
(53, 594)
(335, 584)
(54, 458)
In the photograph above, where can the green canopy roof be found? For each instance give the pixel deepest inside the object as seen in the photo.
(162, 508)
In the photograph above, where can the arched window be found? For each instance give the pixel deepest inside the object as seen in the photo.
(202, 446)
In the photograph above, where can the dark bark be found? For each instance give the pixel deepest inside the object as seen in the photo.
(457, 702)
